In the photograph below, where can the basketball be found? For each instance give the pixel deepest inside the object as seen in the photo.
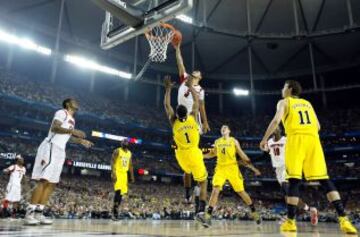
(177, 38)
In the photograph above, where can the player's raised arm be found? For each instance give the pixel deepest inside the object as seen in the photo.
(280, 112)
(113, 168)
(167, 99)
(180, 63)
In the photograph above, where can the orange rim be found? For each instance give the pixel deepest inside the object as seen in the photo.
(165, 25)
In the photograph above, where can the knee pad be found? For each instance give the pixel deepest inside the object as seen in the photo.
(117, 197)
(327, 186)
(294, 188)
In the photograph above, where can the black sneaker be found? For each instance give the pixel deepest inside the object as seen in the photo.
(204, 219)
(114, 218)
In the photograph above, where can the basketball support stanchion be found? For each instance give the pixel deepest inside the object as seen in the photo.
(143, 70)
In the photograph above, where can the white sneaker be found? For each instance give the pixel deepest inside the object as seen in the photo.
(43, 220)
(31, 220)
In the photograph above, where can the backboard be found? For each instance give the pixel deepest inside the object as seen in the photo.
(127, 19)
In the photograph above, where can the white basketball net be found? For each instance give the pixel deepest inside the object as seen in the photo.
(159, 38)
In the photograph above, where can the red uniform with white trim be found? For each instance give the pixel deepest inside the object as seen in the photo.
(185, 98)
(50, 156)
(13, 189)
(277, 154)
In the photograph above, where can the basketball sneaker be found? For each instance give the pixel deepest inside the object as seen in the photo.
(288, 226)
(30, 217)
(256, 217)
(42, 219)
(346, 226)
(314, 216)
(204, 218)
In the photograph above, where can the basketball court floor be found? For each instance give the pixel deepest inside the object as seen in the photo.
(77, 228)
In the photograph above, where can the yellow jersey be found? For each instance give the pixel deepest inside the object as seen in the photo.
(186, 133)
(300, 117)
(225, 151)
(122, 161)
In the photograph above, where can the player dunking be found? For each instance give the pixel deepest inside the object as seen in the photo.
(121, 164)
(227, 169)
(13, 189)
(185, 98)
(50, 159)
(303, 153)
(276, 149)
(187, 136)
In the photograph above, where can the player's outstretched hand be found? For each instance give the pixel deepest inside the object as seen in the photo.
(263, 145)
(78, 133)
(86, 143)
(168, 84)
(257, 172)
(206, 128)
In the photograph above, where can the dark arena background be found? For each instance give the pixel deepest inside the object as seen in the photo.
(51, 50)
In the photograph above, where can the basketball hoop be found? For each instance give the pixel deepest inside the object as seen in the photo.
(159, 38)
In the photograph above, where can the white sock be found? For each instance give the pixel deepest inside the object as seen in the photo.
(40, 207)
(30, 209)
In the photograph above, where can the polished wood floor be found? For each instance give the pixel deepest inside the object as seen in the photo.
(104, 228)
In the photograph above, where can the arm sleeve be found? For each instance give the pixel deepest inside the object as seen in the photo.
(60, 115)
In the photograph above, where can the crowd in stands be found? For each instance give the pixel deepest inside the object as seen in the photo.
(333, 121)
(92, 198)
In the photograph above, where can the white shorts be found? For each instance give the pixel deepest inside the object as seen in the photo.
(280, 174)
(49, 162)
(13, 193)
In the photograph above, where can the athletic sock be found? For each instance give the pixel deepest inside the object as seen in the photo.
(30, 209)
(291, 211)
(339, 206)
(40, 207)
(252, 207)
(210, 210)
(202, 205)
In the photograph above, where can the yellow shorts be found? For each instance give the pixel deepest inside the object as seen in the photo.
(230, 173)
(304, 154)
(191, 161)
(121, 182)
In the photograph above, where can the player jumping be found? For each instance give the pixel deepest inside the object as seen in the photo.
(121, 164)
(185, 98)
(13, 189)
(227, 169)
(187, 136)
(276, 149)
(50, 159)
(303, 153)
